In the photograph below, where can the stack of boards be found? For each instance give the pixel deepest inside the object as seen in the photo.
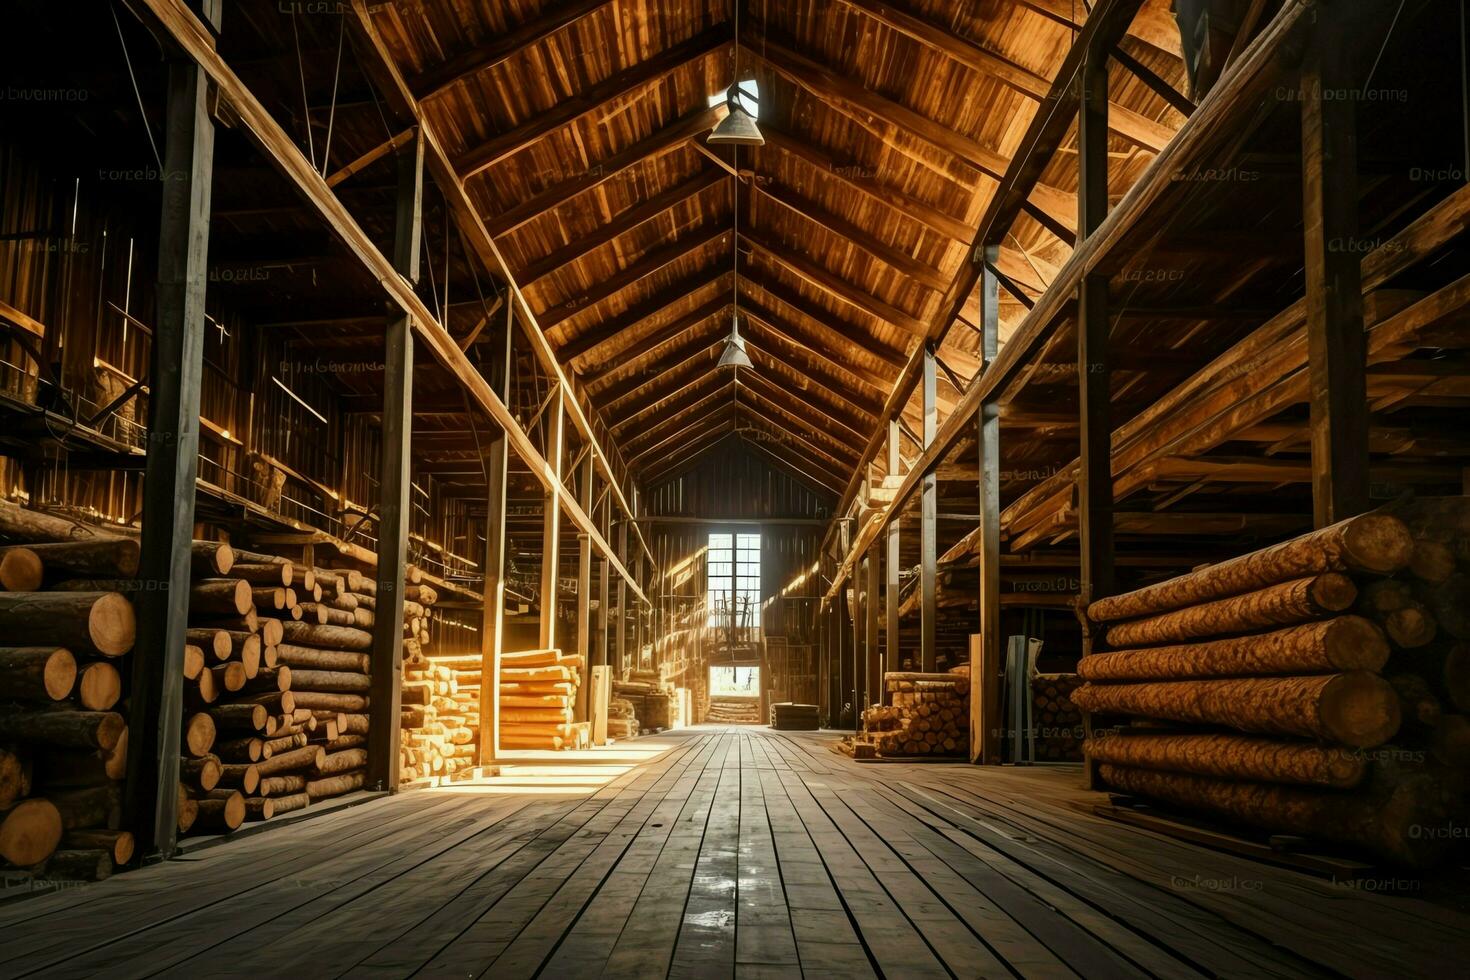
(788, 717)
(622, 719)
(538, 697)
(1318, 688)
(733, 711)
(440, 716)
(654, 701)
(63, 734)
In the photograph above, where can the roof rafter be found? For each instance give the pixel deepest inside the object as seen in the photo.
(663, 335)
(833, 284)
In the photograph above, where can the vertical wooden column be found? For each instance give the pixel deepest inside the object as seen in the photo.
(873, 683)
(551, 521)
(640, 623)
(584, 583)
(985, 688)
(1336, 343)
(929, 523)
(150, 800)
(891, 660)
(621, 624)
(1095, 485)
(604, 579)
(492, 628)
(384, 731)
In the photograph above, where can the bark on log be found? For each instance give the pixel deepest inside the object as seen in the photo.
(335, 785)
(275, 574)
(240, 717)
(99, 686)
(243, 776)
(1374, 543)
(14, 780)
(22, 524)
(21, 569)
(329, 681)
(354, 724)
(312, 658)
(285, 804)
(78, 864)
(95, 806)
(119, 844)
(36, 673)
(327, 637)
(324, 615)
(220, 597)
(1356, 708)
(1392, 827)
(1432, 561)
(221, 813)
(80, 767)
(216, 642)
(1240, 757)
(276, 702)
(269, 598)
(1278, 605)
(260, 808)
(1449, 602)
(240, 750)
(96, 558)
(331, 702)
(1344, 643)
(310, 756)
(83, 622)
(346, 761)
(211, 558)
(203, 771)
(73, 729)
(29, 832)
(283, 785)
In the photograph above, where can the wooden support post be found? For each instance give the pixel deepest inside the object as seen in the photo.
(1336, 342)
(492, 625)
(891, 659)
(551, 520)
(873, 664)
(604, 580)
(1095, 486)
(622, 617)
(929, 523)
(985, 688)
(150, 801)
(584, 583)
(640, 576)
(395, 483)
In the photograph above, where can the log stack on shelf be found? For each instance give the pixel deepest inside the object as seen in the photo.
(440, 716)
(1057, 721)
(732, 711)
(1259, 694)
(929, 714)
(63, 736)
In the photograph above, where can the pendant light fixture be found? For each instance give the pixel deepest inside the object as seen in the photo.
(738, 128)
(734, 355)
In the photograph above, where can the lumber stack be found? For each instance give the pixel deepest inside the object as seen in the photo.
(1056, 720)
(1308, 688)
(655, 702)
(929, 714)
(622, 719)
(63, 734)
(538, 696)
(732, 711)
(789, 717)
(440, 716)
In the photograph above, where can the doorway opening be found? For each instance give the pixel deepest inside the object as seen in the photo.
(734, 695)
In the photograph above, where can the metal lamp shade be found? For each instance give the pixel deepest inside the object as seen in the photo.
(737, 129)
(734, 353)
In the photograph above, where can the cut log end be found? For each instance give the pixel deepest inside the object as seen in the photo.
(21, 570)
(199, 734)
(1360, 709)
(30, 831)
(111, 625)
(99, 687)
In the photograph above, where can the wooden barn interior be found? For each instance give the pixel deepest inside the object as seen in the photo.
(735, 488)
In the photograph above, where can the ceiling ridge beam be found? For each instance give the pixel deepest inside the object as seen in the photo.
(616, 87)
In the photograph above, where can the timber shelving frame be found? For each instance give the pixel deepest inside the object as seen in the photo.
(200, 85)
(1297, 49)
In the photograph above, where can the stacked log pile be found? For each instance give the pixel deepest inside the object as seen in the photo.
(789, 717)
(654, 700)
(732, 711)
(538, 696)
(622, 719)
(1056, 720)
(63, 736)
(1266, 689)
(929, 714)
(440, 716)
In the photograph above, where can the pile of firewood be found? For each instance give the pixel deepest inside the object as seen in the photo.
(732, 711)
(622, 719)
(538, 697)
(1311, 688)
(1056, 721)
(440, 716)
(654, 700)
(63, 749)
(929, 714)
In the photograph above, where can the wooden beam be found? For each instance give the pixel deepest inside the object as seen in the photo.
(667, 407)
(150, 794)
(893, 562)
(551, 521)
(679, 416)
(928, 522)
(649, 264)
(837, 332)
(581, 179)
(1132, 126)
(620, 225)
(492, 624)
(644, 345)
(985, 686)
(607, 331)
(621, 85)
(1336, 343)
(832, 369)
(650, 459)
(498, 49)
(370, 157)
(394, 482)
(776, 439)
(1152, 24)
(584, 584)
(832, 284)
(689, 351)
(1094, 376)
(801, 412)
(799, 469)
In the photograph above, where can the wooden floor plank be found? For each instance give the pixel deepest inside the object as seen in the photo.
(706, 944)
(762, 920)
